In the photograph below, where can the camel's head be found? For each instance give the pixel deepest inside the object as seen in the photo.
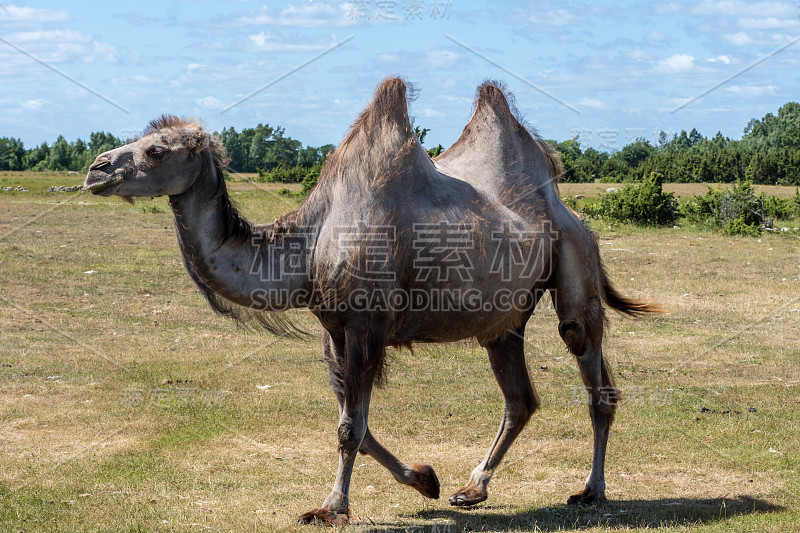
(166, 160)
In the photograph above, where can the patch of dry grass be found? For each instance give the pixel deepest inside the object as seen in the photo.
(126, 405)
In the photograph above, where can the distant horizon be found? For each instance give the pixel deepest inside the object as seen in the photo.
(428, 143)
(605, 72)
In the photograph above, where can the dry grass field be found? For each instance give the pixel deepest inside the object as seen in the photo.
(127, 405)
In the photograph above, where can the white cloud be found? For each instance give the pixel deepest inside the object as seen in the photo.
(664, 8)
(767, 23)
(739, 38)
(743, 23)
(49, 36)
(267, 42)
(100, 53)
(722, 59)
(133, 80)
(33, 105)
(740, 8)
(672, 103)
(640, 55)
(655, 36)
(752, 90)
(430, 112)
(57, 46)
(209, 102)
(554, 17)
(593, 103)
(23, 14)
(211, 45)
(442, 58)
(676, 64)
(306, 15)
(456, 99)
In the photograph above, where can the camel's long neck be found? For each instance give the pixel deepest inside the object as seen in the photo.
(255, 267)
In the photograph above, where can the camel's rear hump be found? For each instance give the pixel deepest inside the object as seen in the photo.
(499, 155)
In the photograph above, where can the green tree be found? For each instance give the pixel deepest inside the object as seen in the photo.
(421, 133)
(59, 155)
(637, 152)
(12, 154)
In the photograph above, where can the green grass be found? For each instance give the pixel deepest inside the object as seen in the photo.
(127, 405)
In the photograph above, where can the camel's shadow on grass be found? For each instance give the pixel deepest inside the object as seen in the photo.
(622, 514)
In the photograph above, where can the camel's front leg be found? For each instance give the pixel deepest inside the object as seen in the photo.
(507, 359)
(419, 476)
(360, 361)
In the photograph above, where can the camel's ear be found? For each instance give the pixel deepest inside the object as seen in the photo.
(198, 140)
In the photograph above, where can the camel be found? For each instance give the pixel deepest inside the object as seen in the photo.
(393, 248)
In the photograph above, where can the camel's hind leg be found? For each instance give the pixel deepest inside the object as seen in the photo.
(581, 322)
(416, 475)
(507, 359)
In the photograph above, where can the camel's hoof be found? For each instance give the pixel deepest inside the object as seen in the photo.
(585, 498)
(324, 517)
(469, 495)
(425, 480)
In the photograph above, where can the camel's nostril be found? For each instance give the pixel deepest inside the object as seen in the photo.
(99, 163)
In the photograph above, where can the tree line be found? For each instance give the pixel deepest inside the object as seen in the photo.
(263, 149)
(77, 155)
(768, 153)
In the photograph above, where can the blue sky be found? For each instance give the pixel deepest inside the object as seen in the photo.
(621, 67)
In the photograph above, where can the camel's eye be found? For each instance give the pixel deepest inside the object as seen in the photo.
(156, 152)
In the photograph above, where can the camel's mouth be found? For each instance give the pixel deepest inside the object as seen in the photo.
(99, 186)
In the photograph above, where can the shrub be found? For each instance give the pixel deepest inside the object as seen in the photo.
(644, 203)
(310, 179)
(782, 208)
(742, 204)
(739, 226)
(702, 208)
(283, 174)
(738, 211)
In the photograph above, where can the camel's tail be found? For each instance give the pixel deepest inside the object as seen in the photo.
(625, 305)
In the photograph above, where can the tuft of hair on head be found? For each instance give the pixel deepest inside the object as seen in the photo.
(166, 121)
(195, 137)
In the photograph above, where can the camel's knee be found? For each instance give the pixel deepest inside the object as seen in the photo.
(533, 404)
(604, 403)
(605, 396)
(351, 435)
(520, 411)
(574, 335)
